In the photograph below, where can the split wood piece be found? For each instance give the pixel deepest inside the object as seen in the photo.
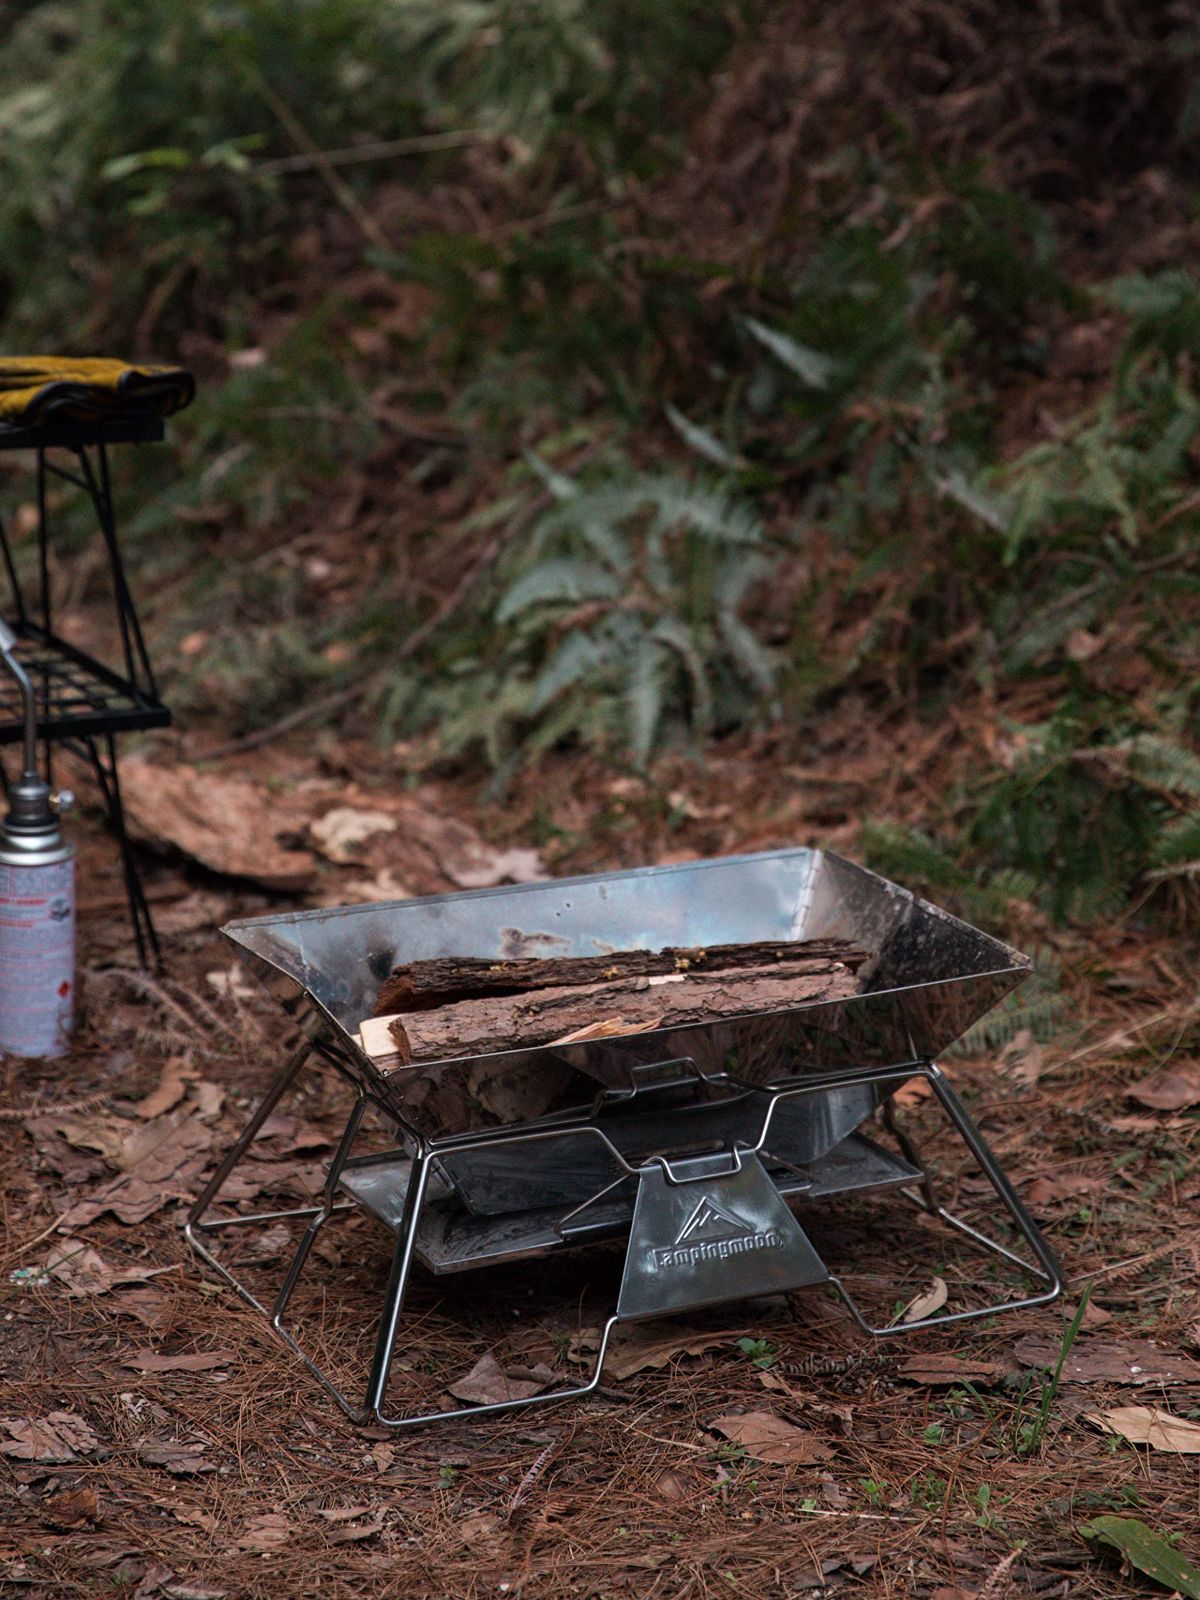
(596, 1010)
(425, 985)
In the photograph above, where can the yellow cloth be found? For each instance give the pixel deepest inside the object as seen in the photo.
(37, 389)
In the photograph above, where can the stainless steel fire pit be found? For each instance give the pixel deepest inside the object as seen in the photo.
(693, 1143)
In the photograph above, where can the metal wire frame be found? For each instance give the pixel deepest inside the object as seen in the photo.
(83, 704)
(372, 1408)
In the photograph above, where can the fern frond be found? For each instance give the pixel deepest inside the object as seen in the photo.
(910, 856)
(678, 502)
(1177, 851)
(561, 580)
(1162, 764)
(678, 638)
(700, 440)
(747, 652)
(557, 483)
(644, 696)
(811, 366)
(735, 575)
(1037, 1005)
(580, 655)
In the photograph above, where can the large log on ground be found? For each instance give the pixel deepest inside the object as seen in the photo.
(600, 1010)
(424, 985)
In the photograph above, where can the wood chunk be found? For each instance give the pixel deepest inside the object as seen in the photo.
(425, 985)
(626, 1006)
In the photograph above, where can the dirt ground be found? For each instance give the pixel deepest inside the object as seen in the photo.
(158, 1441)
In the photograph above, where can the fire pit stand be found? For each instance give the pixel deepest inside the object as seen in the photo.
(694, 1144)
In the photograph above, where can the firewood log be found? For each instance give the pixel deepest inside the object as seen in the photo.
(594, 1010)
(426, 985)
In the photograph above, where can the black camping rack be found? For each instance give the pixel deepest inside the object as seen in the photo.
(83, 704)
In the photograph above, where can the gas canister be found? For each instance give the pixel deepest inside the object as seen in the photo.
(37, 900)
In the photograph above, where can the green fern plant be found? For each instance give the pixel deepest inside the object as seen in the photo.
(623, 621)
(983, 893)
(1038, 1004)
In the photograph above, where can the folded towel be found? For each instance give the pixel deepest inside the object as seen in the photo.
(37, 389)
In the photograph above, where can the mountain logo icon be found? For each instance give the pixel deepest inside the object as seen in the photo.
(710, 1221)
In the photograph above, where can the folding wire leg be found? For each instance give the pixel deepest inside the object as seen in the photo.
(371, 1410)
(104, 767)
(373, 1407)
(1044, 1266)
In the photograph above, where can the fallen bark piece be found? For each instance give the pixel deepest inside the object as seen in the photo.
(425, 985)
(937, 1370)
(507, 1022)
(1095, 1359)
(231, 825)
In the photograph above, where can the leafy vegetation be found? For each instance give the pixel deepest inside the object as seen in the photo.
(623, 620)
(799, 488)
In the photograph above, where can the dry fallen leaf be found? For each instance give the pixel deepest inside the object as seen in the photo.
(184, 1460)
(1173, 1087)
(83, 1271)
(925, 1305)
(159, 1162)
(766, 1437)
(410, 844)
(61, 1436)
(340, 832)
(1023, 1058)
(387, 886)
(84, 1131)
(1094, 1315)
(1065, 1184)
(230, 983)
(645, 1346)
(671, 1486)
(209, 1098)
(499, 866)
(72, 1508)
(172, 1086)
(200, 909)
(478, 1526)
(912, 1092)
(358, 1531)
(1154, 1125)
(267, 1532)
(487, 1382)
(1150, 1426)
(205, 1361)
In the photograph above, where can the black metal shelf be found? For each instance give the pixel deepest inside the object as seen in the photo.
(77, 695)
(64, 435)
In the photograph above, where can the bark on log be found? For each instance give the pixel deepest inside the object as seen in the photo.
(425, 985)
(600, 1010)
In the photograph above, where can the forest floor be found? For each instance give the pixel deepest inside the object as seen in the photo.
(159, 1441)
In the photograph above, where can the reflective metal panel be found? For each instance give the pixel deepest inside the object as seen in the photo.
(928, 978)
